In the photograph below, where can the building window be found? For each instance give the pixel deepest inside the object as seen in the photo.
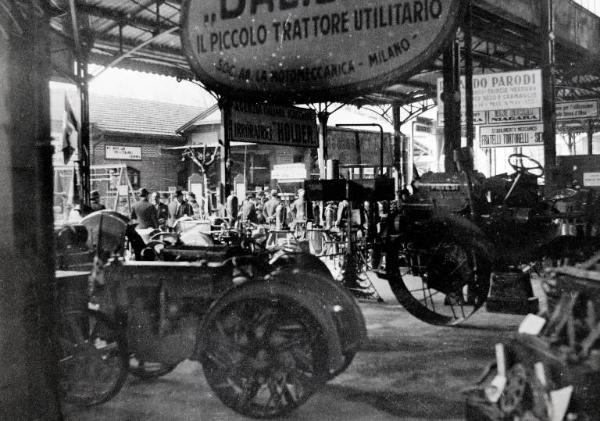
(134, 177)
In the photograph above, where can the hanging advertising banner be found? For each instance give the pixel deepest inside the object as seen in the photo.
(273, 124)
(312, 50)
(123, 152)
(497, 93)
(511, 136)
(516, 115)
(577, 110)
(501, 91)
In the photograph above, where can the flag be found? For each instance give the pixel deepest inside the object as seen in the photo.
(70, 131)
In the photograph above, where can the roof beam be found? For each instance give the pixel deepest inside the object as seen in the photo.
(123, 18)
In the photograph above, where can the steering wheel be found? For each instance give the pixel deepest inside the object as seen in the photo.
(525, 165)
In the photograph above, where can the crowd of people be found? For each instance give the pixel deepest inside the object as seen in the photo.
(277, 210)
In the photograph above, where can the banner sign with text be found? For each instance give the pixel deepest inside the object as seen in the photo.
(497, 93)
(123, 152)
(273, 124)
(309, 50)
(577, 110)
(511, 136)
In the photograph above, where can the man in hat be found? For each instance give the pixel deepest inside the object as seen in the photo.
(178, 208)
(162, 210)
(95, 204)
(271, 206)
(144, 212)
(232, 208)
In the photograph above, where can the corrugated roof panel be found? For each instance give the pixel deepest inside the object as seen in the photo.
(131, 115)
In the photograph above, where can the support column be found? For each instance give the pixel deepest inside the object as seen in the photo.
(28, 384)
(84, 143)
(468, 74)
(548, 105)
(399, 152)
(323, 117)
(590, 137)
(225, 134)
(451, 98)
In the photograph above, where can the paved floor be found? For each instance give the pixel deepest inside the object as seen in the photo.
(408, 370)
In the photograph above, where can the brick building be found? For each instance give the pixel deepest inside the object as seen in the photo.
(135, 133)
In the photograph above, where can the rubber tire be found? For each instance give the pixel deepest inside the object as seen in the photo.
(211, 372)
(121, 354)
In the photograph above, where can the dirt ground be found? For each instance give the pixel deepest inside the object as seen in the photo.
(408, 370)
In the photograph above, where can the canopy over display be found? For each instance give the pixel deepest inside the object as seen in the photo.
(145, 35)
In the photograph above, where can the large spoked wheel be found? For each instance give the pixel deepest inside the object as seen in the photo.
(93, 364)
(264, 357)
(441, 282)
(147, 370)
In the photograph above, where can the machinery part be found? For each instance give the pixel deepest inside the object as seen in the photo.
(264, 355)
(146, 370)
(513, 395)
(106, 232)
(348, 317)
(94, 359)
(516, 161)
(439, 279)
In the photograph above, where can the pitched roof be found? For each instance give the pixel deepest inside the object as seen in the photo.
(141, 116)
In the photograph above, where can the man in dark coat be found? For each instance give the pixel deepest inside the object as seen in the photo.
(162, 210)
(249, 209)
(178, 208)
(95, 204)
(144, 212)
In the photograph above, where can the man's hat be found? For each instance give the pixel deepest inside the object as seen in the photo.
(274, 192)
(94, 194)
(178, 193)
(144, 193)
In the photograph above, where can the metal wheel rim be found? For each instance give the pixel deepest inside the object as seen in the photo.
(93, 362)
(419, 293)
(262, 359)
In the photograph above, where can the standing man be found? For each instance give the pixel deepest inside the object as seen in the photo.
(162, 210)
(271, 206)
(249, 209)
(95, 204)
(178, 208)
(232, 208)
(144, 212)
(301, 209)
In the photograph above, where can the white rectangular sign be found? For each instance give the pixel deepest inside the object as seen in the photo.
(123, 152)
(591, 179)
(511, 136)
(500, 91)
(575, 110)
(516, 115)
(273, 124)
(289, 172)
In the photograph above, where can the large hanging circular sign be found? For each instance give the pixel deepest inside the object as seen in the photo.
(311, 50)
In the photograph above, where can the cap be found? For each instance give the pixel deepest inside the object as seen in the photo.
(192, 195)
(178, 193)
(144, 193)
(95, 193)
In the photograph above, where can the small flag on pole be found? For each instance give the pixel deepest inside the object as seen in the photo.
(70, 132)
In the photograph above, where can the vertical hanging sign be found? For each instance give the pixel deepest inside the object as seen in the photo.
(308, 50)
